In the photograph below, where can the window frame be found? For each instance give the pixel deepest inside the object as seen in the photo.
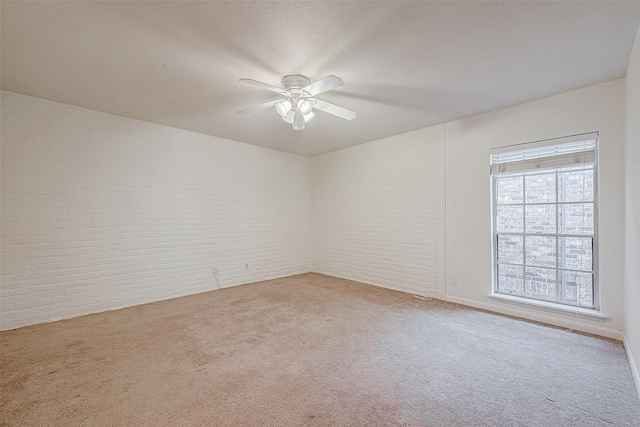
(595, 242)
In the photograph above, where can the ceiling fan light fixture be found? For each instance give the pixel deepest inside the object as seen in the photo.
(299, 103)
(283, 107)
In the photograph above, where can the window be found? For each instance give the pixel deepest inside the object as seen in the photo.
(544, 220)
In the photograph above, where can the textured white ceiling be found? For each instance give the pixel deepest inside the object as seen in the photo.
(405, 65)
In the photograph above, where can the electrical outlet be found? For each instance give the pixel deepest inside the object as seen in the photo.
(214, 271)
(453, 280)
(246, 266)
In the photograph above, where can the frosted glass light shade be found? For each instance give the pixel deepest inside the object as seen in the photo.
(308, 117)
(283, 107)
(304, 106)
(288, 117)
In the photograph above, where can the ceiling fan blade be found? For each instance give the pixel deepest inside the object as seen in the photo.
(336, 110)
(322, 85)
(266, 86)
(257, 107)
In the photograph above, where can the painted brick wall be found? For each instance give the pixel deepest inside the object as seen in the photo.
(378, 212)
(101, 212)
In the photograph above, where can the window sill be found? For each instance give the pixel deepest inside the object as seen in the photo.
(549, 305)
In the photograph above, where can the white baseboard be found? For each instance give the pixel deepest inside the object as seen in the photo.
(542, 316)
(539, 315)
(632, 364)
(424, 293)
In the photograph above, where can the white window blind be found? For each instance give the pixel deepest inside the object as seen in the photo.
(552, 153)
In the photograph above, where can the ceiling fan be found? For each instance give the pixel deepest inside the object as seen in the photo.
(298, 103)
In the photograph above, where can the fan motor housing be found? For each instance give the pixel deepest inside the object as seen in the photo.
(294, 82)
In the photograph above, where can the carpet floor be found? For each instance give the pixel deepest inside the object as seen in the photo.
(310, 350)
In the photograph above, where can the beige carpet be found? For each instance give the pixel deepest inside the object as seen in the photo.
(310, 350)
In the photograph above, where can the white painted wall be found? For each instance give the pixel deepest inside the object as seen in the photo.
(101, 212)
(632, 213)
(468, 141)
(378, 212)
(378, 207)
